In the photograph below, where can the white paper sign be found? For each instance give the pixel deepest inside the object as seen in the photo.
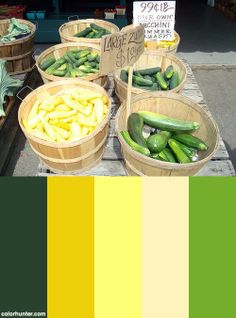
(158, 18)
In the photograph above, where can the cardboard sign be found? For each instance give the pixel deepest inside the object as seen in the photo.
(121, 49)
(157, 17)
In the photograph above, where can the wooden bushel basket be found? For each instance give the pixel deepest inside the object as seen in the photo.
(71, 156)
(67, 30)
(147, 60)
(58, 51)
(176, 106)
(172, 49)
(18, 53)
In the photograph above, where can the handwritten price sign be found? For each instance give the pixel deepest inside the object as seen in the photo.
(157, 17)
(121, 49)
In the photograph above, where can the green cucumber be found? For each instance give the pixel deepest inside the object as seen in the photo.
(157, 157)
(189, 152)
(174, 81)
(81, 61)
(92, 56)
(148, 77)
(99, 34)
(191, 141)
(124, 76)
(91, 64)
(156, 120)
(98, 59)
(60, 73)
(63, 67)
(133, 144)
(161, 81)
(179, 153)
(158, 142)
(135, 128)
(141, 81)
(85, 69)
(167, 155)
(82, 53)
(90, 35)
(71, 57)
(83, 33)
(149, 71)
(97, 27)
(154, 87)
(169, 72)
(47, 63)
(55, 66)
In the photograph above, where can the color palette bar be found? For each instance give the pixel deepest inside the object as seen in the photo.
(118, 247)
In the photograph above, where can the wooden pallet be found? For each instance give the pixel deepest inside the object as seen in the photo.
(112, 163)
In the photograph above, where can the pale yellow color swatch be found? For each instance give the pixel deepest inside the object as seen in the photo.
(165, 253)
(70, 247)
(118, 258)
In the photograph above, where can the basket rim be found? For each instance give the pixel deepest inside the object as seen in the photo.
(24, 39)
(65, 144)
(81, 21)
(167, 165)
(53, 48)
(153, 53)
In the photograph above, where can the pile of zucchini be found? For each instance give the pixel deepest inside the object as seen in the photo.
(153, 79)
(75, 63)
(168, 139)
(94, 31)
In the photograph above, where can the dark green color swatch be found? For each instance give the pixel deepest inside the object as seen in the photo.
(23, 244)
(212, 247)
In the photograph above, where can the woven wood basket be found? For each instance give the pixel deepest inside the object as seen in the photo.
(18, 53)
(152, 46)
(147, 60)
(67, 30)
(176, 106)
(74, 156)
(58, 51)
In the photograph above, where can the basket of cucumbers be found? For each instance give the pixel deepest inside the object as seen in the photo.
(70, 60)
(152, 72)
(166, 135)
(88, 31)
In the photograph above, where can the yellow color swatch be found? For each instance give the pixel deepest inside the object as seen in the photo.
(165, 247)
(118, 255)
(70, 247)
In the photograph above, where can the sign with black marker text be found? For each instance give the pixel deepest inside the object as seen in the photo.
(157, 17)
(121, 49)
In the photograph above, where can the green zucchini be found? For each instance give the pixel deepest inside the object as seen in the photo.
(98, 59)
(189, 152)
(179, 153)
(174, 81)
(149, 71)
(47, 63)
(156, 120)
(157, 157)
(169, 72)
(191, 141)
(91, 64)
(81, 61)
(157, 142)
(161, 81)
(124, 76)
(141, 81)
(148, 77)
(135, 128)
(63, 67)
(133, 144)
(167, 155)
(83, 33)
